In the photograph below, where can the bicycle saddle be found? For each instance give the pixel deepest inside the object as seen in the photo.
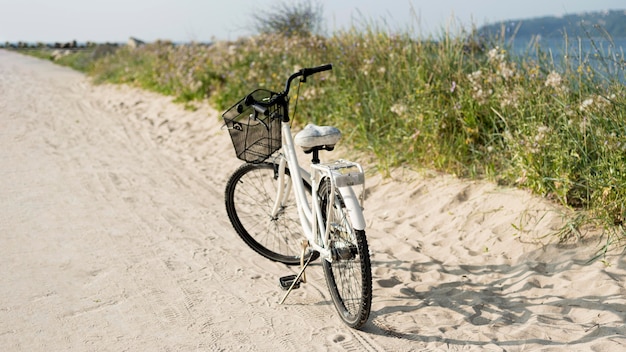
(317, 137)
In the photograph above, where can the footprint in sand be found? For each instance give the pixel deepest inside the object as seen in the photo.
(391, 282)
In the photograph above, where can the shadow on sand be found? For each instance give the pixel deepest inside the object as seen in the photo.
(510, 297)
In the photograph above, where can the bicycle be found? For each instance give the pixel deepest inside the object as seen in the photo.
(271, 203)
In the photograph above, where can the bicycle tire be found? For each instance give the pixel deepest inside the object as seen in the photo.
(349, 275)
(249, 197)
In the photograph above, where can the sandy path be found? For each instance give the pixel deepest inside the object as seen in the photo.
(113, 236)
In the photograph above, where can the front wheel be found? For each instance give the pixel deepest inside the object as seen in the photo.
(349, 274)
(250, 196)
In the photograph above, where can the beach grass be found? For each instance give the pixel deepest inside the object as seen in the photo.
(459, 104)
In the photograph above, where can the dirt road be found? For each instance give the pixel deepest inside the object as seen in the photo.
(113, 237)
(112, 241)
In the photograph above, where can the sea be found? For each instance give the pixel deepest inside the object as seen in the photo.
(606, 56)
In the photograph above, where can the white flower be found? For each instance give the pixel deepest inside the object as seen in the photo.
(586, 103)
(494, 55)
(399, 109)
(554, 80)
(481, 95)
(543, 129)
(541, 133)
(602, 101)
(310, 94)
(509, 99)
(506, 71)
(474, 76)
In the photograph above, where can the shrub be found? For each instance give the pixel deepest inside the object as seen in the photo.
(300, 18)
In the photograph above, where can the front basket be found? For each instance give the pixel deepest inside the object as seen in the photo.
(255, 136)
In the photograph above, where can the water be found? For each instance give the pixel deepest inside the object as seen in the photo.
(604, 56)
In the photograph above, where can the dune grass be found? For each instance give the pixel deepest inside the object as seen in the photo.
(456, 104)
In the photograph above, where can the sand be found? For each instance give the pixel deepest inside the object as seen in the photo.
(114, 237)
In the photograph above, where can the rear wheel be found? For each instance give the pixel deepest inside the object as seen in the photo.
(349, 275)
(250, 194)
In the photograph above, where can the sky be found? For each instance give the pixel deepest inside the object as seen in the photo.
(208, 20)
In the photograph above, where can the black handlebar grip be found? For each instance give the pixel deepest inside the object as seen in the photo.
(312, 70)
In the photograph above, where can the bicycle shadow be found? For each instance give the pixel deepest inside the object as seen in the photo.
(538, 301)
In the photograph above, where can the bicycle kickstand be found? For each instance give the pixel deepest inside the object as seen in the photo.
(292, 282)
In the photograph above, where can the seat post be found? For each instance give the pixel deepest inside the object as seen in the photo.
(316, 156)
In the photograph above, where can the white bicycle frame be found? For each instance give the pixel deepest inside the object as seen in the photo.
(342, 175)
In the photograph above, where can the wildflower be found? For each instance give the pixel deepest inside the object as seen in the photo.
(478, 93)
(481, 95)
(367, 65)
(554, 80)
(602, 102)
(495, 55)
(509, 99)
(310, 93)
(453, 87)
(474, 77)
(505, 70)
(399, 109)
(586, 104)
(542, 132)
(492, 54)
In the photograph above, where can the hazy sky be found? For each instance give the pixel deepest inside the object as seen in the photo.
(203, 20)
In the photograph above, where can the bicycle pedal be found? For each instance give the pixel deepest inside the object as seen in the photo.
(287, 281)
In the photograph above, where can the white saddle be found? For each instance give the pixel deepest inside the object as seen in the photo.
(317, 137)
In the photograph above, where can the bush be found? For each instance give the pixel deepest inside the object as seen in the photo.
(301, 18)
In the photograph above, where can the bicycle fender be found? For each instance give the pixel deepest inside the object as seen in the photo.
(353, 207)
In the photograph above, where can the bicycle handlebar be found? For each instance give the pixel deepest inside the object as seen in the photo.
(306, 72)
(262, 106)
(260, 109)
(313, 70)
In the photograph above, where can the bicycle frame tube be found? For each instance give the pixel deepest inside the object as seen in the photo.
(283, 190)
(304, 210)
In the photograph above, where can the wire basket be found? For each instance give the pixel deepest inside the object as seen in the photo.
(255, 136)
